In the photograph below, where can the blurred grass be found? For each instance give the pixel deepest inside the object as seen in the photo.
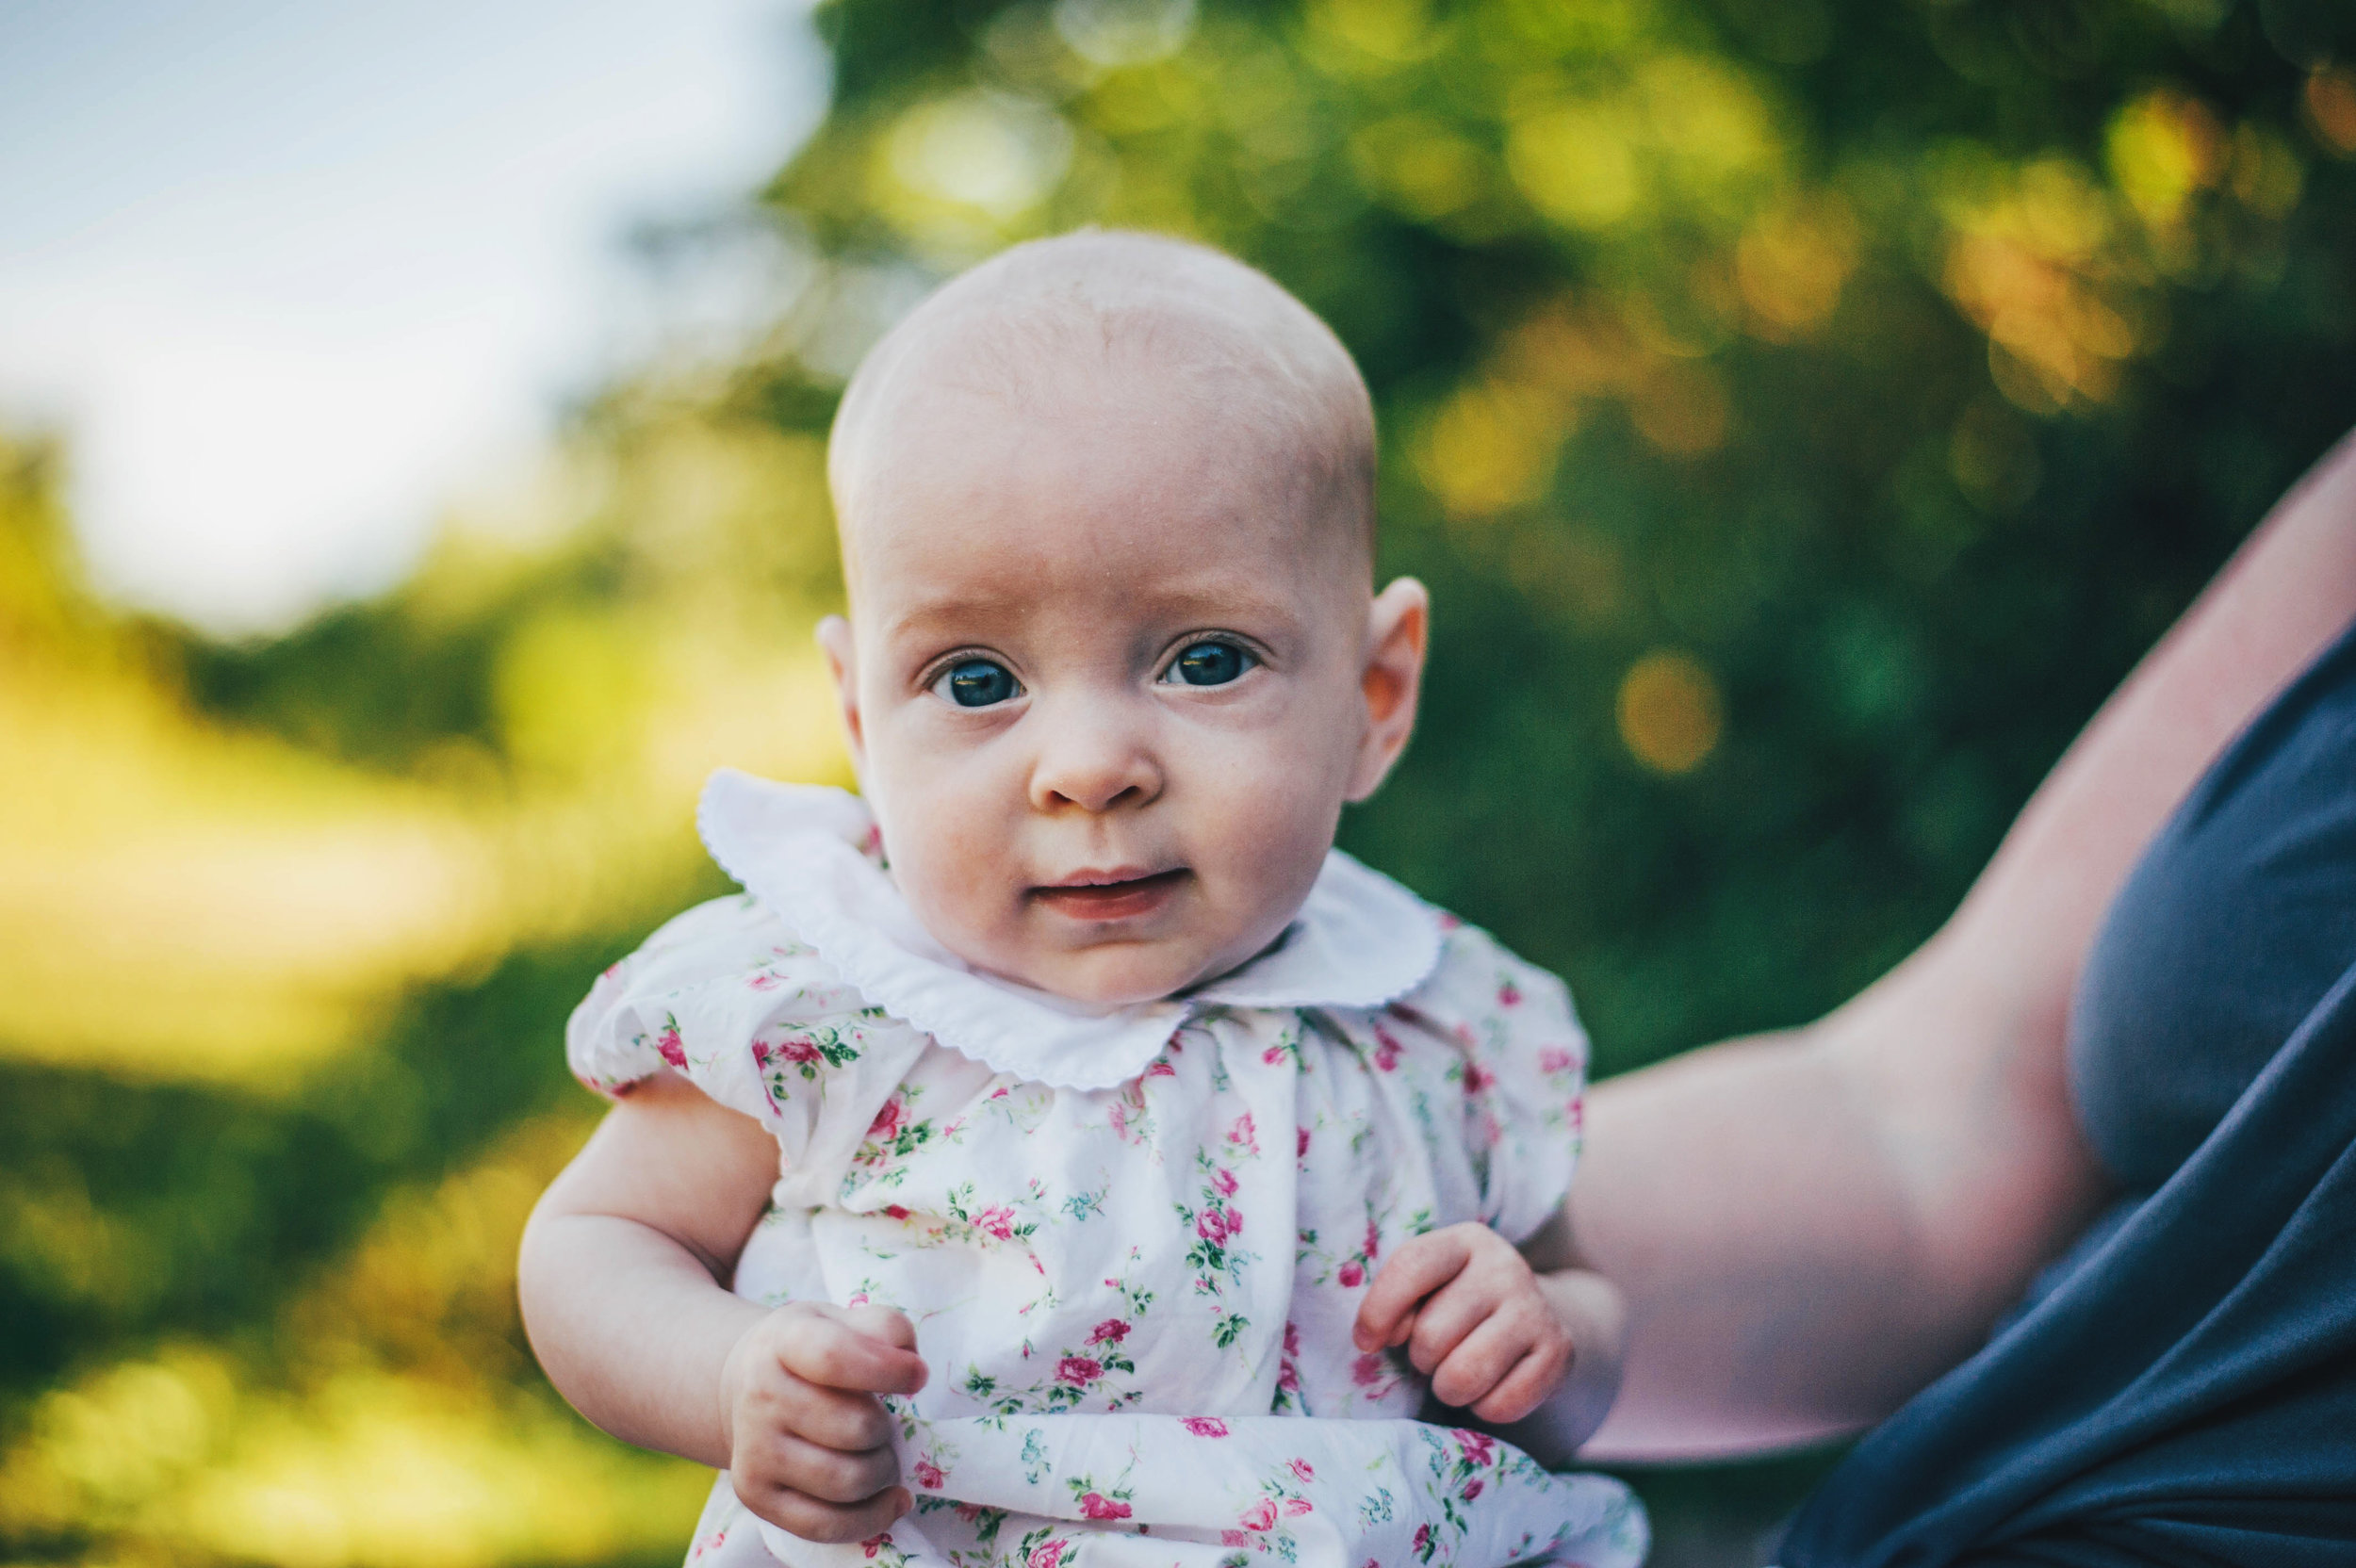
(1803, 412)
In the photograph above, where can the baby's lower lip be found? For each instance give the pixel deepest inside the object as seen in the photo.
(1114, 900)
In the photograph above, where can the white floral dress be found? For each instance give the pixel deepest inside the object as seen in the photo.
(1132, 1244)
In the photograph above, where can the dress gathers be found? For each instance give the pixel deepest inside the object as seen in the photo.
(1131, 1242)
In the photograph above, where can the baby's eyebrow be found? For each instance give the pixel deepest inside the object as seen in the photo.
(1242, 605)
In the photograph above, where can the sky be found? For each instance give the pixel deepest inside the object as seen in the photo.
(290, 278)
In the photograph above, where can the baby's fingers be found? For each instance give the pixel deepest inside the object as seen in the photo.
(867, 1348)
(1504, 1369)
(1420, 1267)
(817, 1519)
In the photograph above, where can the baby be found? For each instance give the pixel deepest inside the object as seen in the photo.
(1106, 1170)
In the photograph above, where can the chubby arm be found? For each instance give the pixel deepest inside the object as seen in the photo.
(624, 1288)
(1808, 1227)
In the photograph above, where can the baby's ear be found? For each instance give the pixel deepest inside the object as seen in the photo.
(1396, 631)
(834, 636)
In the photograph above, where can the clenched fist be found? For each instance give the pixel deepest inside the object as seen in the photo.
(1474, 1318)
(810, 1442)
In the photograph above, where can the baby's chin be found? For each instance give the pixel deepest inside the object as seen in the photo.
(1110, 975)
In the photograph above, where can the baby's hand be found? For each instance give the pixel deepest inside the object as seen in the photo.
(1470, 1310)
(810, 1447)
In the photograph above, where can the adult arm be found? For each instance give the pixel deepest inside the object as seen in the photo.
(1808, 1227)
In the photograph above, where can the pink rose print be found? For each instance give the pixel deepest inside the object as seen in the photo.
(1300, 1467)
(1244, 1136)
(1224, 1180)
(1509, 995)
(1095, 1505)
(1204, 1426)
(1370, 1369)
(667, 1044)
(1260, 1515)
(1046, 1554)
(1473, 1488)
(797, 1051)
(1423, 1537)
(875, 1543)
(1299, 1505)
(1350, 1275)
(765, 980)
(928, 1475)
(896, 1211)
(998, 1221)
(1160, 1068)
(1374, 1241)
(1477, 1079)
(1214, 1228)
(887, 1123)
(1386, 1049)
(1480, 1448)
(1301, 1150)
(1079, 1371)
(1554, 1058)
(1292, 1339)
(1112, 1331)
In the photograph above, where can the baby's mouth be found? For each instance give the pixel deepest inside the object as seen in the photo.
(1118, 894)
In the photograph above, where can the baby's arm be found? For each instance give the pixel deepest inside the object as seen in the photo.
(1529, 1344)
(623, 1285)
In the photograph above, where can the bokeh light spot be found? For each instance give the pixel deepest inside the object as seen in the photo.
(2331, 103)
(1670, 712)
(1576, 165)
(1490, 447)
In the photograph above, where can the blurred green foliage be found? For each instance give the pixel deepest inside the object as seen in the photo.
(1898, 370)
(1804, 412)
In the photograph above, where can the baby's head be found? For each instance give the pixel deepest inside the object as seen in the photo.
(1113, 660)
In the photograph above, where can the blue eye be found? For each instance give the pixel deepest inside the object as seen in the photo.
(1209, 664)
(977, 683)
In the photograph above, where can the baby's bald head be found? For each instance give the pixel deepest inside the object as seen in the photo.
(1115, 337)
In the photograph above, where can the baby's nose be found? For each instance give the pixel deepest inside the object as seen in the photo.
(1095, 763)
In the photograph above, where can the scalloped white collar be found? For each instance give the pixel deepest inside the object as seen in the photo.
(803, 850)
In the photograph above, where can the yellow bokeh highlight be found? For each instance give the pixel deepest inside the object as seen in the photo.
(1489, 448)
(392, 1446)
(2330, 100)
(1669, 710)
(180, 899)
(1578, 163)
(1792, 261)
(2030, 262)
(369, 1470)
(1420, 167)
(958, 176)
(2162, 148)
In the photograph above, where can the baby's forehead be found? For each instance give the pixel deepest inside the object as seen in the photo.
(1075, 333)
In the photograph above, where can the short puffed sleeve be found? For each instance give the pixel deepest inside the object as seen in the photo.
(724, 996)
(1523, 1075)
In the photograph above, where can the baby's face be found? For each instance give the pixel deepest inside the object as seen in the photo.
(1110, 680)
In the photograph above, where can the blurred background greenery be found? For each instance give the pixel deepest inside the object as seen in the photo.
(1804, 412)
